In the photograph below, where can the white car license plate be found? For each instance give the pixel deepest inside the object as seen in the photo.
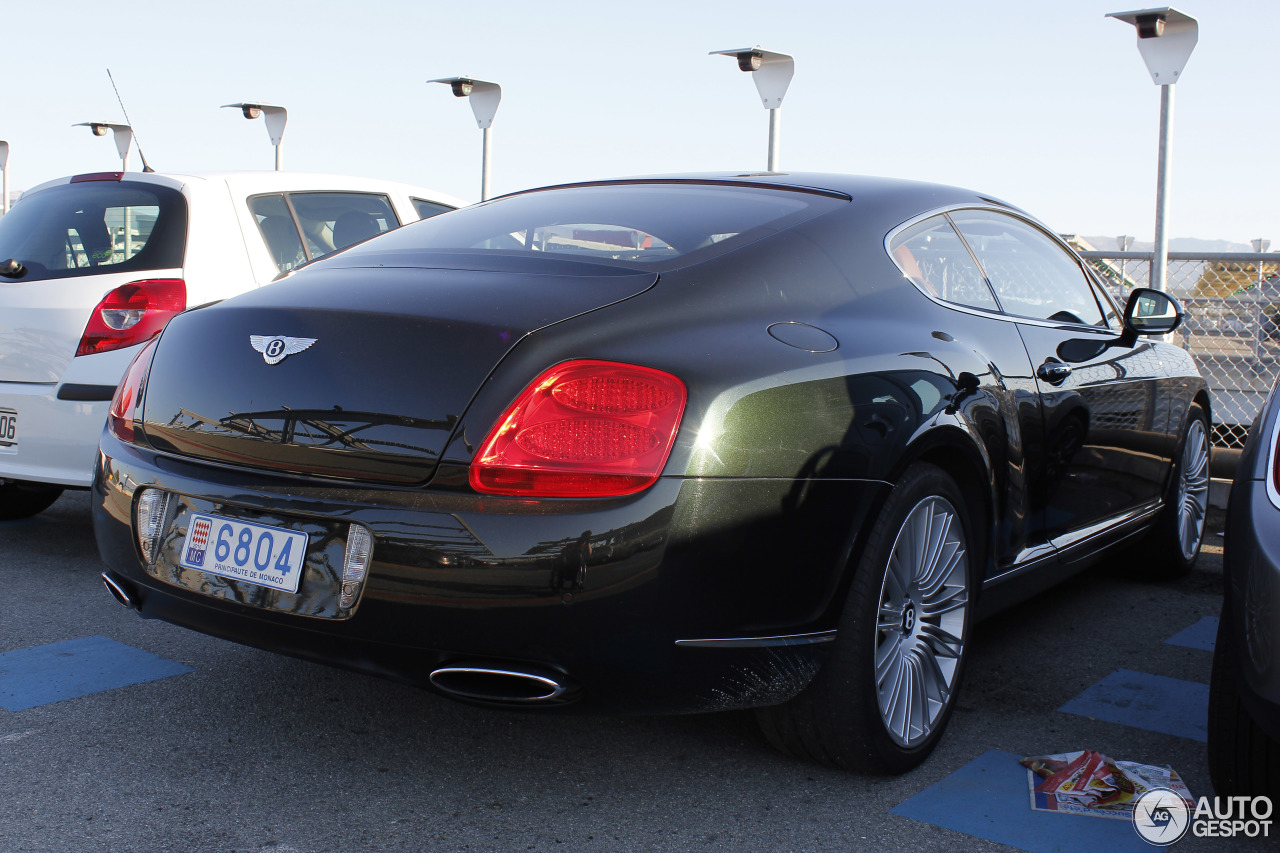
(8, 428)
(253, 553)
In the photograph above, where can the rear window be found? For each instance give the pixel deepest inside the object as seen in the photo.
(651, 223)
(299, 227)
(427, 209)
(96, 227)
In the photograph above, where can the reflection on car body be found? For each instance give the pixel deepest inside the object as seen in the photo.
(692, 443)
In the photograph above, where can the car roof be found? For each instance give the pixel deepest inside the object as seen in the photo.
(263, 181)
(855, 186)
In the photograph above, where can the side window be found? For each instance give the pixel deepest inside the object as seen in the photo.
(1032, 275)
(427, 209)
(335, 220)
(935, 259)
(278, 230)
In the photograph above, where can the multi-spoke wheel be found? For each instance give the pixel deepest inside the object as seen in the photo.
(1193, 488)
(1170, 550)
(883, 697)
(924, 605)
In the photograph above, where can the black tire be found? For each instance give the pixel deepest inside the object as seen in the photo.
(841, 718)
(1243, 759)
(1164, 553)
(20, 500)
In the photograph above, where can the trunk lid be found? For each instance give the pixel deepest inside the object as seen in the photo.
(77, 241)
(398, 354)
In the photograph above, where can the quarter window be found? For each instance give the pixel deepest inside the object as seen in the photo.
(935, 259)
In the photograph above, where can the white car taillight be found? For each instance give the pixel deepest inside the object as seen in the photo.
(132, 313)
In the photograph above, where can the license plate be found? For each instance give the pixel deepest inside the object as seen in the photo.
(8, 428)
(252, 553)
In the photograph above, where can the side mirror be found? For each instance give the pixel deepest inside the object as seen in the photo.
(1151, 312)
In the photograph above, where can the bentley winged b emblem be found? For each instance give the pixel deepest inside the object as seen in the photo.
(275, 348)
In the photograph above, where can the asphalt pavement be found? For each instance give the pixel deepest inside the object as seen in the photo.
(219, 747)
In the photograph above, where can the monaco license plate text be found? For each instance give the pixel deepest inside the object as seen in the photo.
(252, 553)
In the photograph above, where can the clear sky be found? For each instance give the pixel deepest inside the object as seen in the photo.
(1045, 104)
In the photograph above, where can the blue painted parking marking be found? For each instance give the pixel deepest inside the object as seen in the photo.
(1152, 702)
(988, 798)
(1199, 636)
(75, 668)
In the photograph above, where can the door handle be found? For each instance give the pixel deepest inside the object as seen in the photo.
(1054, 372)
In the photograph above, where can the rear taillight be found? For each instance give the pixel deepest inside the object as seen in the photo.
(129, 394)
(583, 429)
(132, 313)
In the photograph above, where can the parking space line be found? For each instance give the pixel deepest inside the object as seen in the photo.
(1201, 635)
(988, 798)
(75, 668)
(1154, 703)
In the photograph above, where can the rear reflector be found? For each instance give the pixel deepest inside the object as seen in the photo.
(132, 313)
(355, 564)
(151, 516)
(583, 429)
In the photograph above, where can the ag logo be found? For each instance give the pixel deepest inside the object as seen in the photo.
(275, 348)
(1160, 816)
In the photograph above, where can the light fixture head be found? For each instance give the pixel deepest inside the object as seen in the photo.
(770, 70)
(483, 96)
(1166, 38)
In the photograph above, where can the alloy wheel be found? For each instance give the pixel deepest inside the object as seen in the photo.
(1193, 489)
(920, 630)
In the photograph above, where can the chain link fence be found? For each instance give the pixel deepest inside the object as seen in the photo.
(1232, 327)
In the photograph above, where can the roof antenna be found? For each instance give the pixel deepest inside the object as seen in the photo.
(145, 166)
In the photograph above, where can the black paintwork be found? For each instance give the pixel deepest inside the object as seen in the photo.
(787, 447)
(1251, 569)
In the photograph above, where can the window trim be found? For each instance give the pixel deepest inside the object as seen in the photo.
(1001, 314)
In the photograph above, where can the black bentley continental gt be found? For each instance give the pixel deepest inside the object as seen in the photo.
(660, 445)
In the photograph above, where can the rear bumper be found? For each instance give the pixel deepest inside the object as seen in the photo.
(59, 423)
(607, 592)
(56, 438)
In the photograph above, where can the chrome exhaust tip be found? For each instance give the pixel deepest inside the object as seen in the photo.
(119, 592)
(506, 685)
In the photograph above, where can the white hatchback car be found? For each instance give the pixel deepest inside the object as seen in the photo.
(93, 266)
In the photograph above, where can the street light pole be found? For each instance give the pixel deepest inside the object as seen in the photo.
(1124, 241)
(484, 97)
(4, 167)
(772, 73)
(1166, 38)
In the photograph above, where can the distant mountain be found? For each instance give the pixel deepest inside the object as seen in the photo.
(1177, 244)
